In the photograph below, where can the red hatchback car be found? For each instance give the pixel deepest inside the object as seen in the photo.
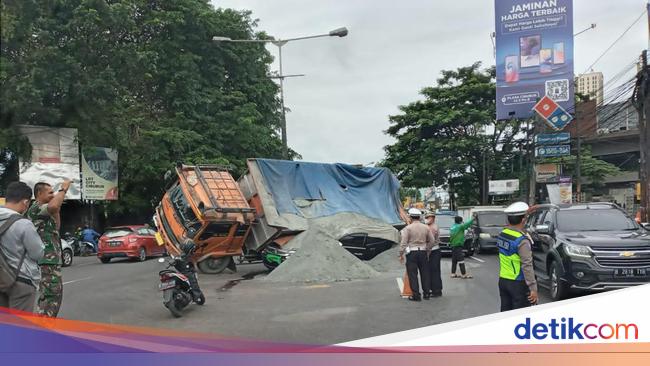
(134, 241)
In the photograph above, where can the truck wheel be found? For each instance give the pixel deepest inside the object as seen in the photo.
(214, 265)
(559, 289)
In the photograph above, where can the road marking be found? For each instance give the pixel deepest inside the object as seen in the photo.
(73, 281)
(477, 259)
(400, 284)
(317, 286)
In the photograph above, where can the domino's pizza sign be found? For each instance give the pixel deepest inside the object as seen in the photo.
(554, 115)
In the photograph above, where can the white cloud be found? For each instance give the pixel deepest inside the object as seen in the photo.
(341, 107)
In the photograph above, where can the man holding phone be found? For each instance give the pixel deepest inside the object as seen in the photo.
(45, 213)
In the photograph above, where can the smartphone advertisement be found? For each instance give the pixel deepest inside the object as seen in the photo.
(534, 47)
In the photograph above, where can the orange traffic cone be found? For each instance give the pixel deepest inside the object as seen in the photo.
(406, 289)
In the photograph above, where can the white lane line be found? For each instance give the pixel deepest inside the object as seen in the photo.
(400, 285)
(73, 281)
(477, 259)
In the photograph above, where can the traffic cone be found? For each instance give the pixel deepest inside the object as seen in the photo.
(406, 289)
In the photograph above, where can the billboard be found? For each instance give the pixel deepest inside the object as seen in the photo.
(55, 157)
(546, 172)
(99, 174)
(534, 51)
(501, 187)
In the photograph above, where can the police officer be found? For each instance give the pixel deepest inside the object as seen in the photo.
(517, 284)
(416, 241)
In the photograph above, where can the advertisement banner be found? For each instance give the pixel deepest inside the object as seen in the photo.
(99, 171)
(566, 190)
(546, 173)
(534, 51)
(55, 157)
(500, 187)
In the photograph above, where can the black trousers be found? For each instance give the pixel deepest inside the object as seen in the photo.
(434, 272)
(458, 257)
(416, 261)
(514, 294)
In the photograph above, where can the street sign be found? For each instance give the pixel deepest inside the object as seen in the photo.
(552, 150)
(552, 138)
(554, 115)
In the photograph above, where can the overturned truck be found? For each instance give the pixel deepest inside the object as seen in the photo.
(259, 216)
(359, 207)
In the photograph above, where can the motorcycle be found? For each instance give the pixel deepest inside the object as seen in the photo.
(180, 285)
(86, 248)
(73, 241)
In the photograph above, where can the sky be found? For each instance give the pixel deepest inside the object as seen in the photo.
(340, 109)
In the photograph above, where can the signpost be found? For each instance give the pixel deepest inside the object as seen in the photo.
(552, 138)
(552, 151)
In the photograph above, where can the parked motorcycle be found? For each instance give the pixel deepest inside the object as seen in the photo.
(73, 241)
(86, 248)
(180, 285)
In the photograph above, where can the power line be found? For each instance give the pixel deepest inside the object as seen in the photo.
(616, 41)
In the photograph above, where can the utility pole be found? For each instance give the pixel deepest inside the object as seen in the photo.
(578, 161)
(642, 104)
(531, 161)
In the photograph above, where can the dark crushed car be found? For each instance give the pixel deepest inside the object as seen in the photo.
(587, 247)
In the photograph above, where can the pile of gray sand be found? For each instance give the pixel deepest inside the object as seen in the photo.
(387, 261)
(320, 258)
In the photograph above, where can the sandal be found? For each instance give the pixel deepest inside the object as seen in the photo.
(467, 276)
(453, 275)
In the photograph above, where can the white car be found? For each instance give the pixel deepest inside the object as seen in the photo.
(66, 253)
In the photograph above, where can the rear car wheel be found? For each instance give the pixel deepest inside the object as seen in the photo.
(104, 260)
(66, 257)
(214, 265)
(559, 289)
(142, 255)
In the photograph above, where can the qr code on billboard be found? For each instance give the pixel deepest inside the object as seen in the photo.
(558, 90)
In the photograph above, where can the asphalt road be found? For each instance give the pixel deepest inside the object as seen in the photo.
(124, 292)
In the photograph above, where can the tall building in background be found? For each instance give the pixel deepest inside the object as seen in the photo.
(591, 84)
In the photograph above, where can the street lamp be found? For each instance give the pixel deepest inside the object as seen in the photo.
(339, 32)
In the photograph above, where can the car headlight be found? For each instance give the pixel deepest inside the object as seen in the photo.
(577, 250)
(485, 236)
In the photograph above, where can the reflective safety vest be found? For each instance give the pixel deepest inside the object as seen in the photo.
(508, 242)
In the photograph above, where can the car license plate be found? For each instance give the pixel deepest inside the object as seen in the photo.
(159, 239)
(114, 243)
(166, 285)
(630, 272)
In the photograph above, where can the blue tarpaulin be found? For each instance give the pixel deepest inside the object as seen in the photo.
(315, 190)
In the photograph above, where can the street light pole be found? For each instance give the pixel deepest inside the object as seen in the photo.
(339, 32)
(285, 146)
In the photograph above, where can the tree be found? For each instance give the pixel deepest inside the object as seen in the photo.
(142, 76)
(444, 139)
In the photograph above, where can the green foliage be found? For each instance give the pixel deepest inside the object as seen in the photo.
(592, 169)
(141, 76)
(444, 138)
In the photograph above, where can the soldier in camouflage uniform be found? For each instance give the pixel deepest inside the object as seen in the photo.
(45, 214)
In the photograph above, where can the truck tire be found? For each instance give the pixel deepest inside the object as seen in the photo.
(214, 265)
(558, 289)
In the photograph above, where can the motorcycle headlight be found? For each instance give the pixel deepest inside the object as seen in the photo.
(577, 250)
(485, 236)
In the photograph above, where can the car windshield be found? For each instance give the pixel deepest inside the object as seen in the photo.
(496, 219)
(444, 221)
(117, 232)
(594, 220)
